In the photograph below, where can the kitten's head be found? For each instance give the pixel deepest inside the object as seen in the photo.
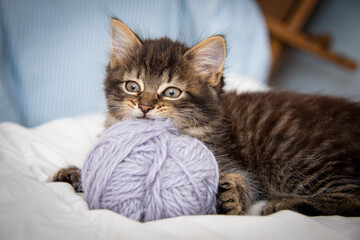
(155, 79)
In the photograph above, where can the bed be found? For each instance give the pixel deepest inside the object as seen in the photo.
(53, 63)
(33, 207)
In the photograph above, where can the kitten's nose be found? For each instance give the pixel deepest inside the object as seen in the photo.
(145, 108)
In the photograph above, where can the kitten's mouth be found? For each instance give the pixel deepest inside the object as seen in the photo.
(144, 118)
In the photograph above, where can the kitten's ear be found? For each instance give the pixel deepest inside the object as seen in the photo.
(208, 58)
(123, 42)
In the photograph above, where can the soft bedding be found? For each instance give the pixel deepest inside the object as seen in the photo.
(32, 207)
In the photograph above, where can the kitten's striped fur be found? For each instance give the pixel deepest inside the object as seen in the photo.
(298, 152)
(303, 150)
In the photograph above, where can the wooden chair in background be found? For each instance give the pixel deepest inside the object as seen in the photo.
(286, 20)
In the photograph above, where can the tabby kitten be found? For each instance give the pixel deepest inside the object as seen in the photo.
(297, 152)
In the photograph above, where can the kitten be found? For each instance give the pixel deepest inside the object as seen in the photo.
(298, 152)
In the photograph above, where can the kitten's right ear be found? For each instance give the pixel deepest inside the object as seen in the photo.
(123, 42)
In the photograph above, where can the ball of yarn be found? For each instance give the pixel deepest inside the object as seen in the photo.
(145, 170)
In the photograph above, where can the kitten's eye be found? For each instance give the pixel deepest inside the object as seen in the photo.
(132, 86)
(171, 92)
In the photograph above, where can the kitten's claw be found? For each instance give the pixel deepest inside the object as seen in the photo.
(70, 175)
(229, 199)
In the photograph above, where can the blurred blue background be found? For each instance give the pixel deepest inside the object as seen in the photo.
(53, 54)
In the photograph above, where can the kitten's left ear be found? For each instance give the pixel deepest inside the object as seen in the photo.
(208, 58)
(123, 42)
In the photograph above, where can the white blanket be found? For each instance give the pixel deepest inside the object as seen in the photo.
(32, 207)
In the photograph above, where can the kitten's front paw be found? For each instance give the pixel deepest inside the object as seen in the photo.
(229, 199)
(70, 175)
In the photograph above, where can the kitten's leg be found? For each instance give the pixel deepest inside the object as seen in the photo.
(235, 194)
(343, 204)
(70, 175)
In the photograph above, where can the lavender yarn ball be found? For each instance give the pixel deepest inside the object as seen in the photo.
(146, 171)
